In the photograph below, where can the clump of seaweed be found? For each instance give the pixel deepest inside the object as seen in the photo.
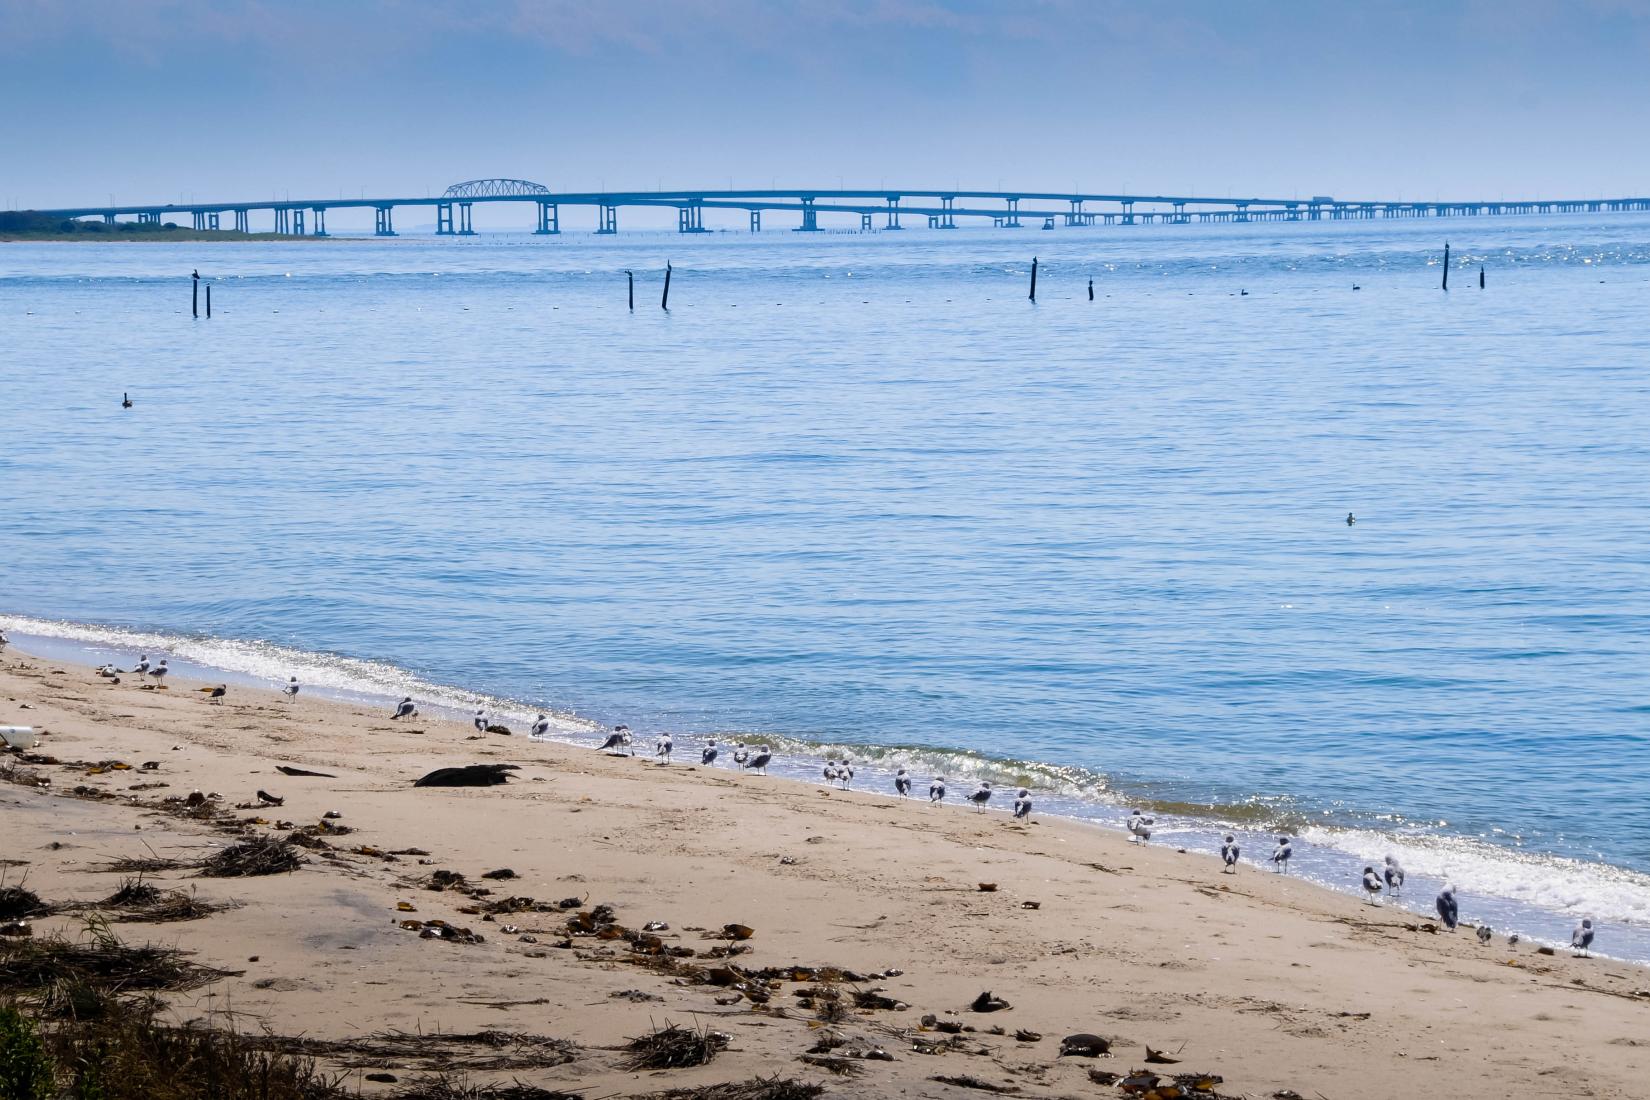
(132, 893)
(673, 1047)
(756, 1088)
(34, 968)
(17, 902)
(266, 855)
(446, 1087)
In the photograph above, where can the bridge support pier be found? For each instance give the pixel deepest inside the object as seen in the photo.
(810, 217)
(320, 220)
(1242, 212)
(690, 218)
(1128, 212)
(864, 222)
(1179, 217)
(608, 219)
(549, 218)
(893, 213)
(108, 219)
(756, 221)
(283, 220)
(1011, 220)
(383, 221)
(241, 220)
(947, 221)
(200, 219)
(298, 223)
(443, 219)
(148, 217)
(212, 221)
(465, 227)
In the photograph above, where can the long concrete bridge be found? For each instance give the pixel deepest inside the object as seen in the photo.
(873, 209)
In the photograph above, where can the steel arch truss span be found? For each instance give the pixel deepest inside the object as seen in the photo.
(494, 189)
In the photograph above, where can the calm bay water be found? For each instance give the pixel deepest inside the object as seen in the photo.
(857, 491)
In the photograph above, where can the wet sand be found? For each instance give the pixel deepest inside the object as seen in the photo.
(1271, 983)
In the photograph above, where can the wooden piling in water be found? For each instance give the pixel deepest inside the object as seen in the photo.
(1480, 276)
(1446, 265)
(208, 301)
(664, 302)
(195, 295)
(631, 276)
(1034, 278)
(1091, 290)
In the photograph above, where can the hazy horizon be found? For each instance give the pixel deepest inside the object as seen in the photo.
(169, 101)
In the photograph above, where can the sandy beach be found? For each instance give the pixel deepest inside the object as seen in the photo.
(1275, 985)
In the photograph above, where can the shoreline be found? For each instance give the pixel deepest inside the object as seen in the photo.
(1260, 978)
(1330, 858)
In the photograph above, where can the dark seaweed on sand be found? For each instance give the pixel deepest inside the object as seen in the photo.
(756, 1088)
(264, 856)
(673, 1047)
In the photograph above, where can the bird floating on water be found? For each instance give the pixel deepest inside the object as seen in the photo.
(1394, 875)
(125, 400)
(1229, 854)
(405, 709)
(1351, 520)
(1582, 939)
(902, 783)
(1282, 853)
(1449, 910)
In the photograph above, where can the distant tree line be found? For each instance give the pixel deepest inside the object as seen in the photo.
(32, 223)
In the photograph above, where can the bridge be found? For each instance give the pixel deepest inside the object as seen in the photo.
(879, 208)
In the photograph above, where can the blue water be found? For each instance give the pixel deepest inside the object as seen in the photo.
(856, 490)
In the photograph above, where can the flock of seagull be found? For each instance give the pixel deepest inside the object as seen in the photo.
(1387, 880)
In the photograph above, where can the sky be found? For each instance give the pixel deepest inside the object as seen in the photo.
(190, 100)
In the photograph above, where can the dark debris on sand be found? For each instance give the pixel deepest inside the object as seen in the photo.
(436, 1051)
(16, 903)
(268, 855)
(757, 1088)
(673, 1047)
(35, 967)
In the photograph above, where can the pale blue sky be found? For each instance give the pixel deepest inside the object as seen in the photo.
(164, 100)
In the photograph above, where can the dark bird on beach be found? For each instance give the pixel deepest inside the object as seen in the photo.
(845, 773)
(981, 795)
(707, 755)
(1394, 875)
(479, 720)
(902, 783)
(1022, 805)
(1229, 854)
(125, 400)
(618, 741)
(471, 775)
(291, 688)
(1282, 853)
(829, 771)
(759, 762)
(1140, 827)
(215, 695)
(1485, 933)
(158, 673)
(936, 789)
(663, 746)
(405, 709)
(142, 667)
(1449, 910)
(1372, 884)
(541, 728)
(1582, 938)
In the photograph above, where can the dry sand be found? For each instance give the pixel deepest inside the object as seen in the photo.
(1272, 983)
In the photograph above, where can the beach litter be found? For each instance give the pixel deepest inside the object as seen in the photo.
(262, 856)
(673, 1047)
(966, 1082)
(986, 1002)
(471, 775)
(1084, 1045)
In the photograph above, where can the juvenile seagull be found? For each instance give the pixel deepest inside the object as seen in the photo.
(1022, 805)
(662, 747)
(215, 695)
(936, 789)
(759, 762)
(1484, 933)
(1449, 910)
(1582, 939)
(291, 688)
(479, 720)
(541, 728)
(1281, 854)
(1140, 827)
(1394, 876)
(618, 741)
(902, 783)
(981, 795)
(159, 673)
(707, 755)
(1229, 854)
(1372, 885)
(405, 709)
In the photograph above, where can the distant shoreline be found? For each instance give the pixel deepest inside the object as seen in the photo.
(223, 236)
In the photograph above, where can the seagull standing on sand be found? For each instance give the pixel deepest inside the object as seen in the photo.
(1582, 939)
(290, 690)
(759, 762)
(142, 667)
(1394, 876)
(159, 673)
(541, 728)
(1229, 854)
(404, 709)
(4, 641)
(1140, 827)
(1485, 933)
(740, 755)
(662, 747)
(902, 783)
(479, 720)
(1281, 854)
(830, 771)
(1022, 805)
(1449, 910)
(981, 795)
(845, 773)
(1372, 885)
(215, 695)
(618, 741)
(707, 755)
(936, 789)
